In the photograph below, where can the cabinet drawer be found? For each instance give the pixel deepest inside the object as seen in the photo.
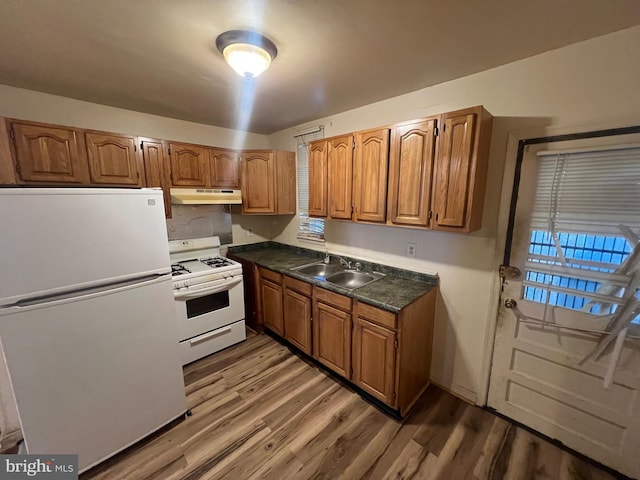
(299, 286)
(271, 275)
(334, 299)
(376, 315)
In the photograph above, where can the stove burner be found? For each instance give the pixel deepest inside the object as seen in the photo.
(178, 269)
(216, 262)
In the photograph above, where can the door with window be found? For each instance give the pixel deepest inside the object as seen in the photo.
(566, 358)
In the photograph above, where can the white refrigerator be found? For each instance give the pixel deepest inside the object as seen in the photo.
(87, 318)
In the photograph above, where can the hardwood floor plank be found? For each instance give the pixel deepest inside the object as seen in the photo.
(261, 412)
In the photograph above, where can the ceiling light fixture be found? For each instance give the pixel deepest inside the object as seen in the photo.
(248, 53)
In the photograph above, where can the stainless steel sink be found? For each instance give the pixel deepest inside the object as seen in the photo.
(338, 275)
(353, 279)
(319, 269)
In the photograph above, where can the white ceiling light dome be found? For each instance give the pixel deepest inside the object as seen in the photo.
(248, 53)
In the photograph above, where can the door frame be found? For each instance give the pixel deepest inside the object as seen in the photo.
(516, 144)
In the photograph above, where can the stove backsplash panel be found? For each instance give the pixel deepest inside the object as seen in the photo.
(195, 221)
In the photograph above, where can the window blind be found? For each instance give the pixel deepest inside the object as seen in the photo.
(591, 191)
(584, 245)
(309, 228)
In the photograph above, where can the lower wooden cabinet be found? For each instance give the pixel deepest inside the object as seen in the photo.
(385, 354)
(332, 336)
(374, 359)
(297, 313)
(271, 293)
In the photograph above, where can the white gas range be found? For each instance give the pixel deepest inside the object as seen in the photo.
(209, 297)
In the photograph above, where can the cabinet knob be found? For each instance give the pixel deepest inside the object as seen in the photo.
(510, 303)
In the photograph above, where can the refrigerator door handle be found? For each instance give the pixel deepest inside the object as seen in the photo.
(90, 292)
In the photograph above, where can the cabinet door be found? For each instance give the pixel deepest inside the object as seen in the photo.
(297, 320)
(154, 168)
(225, 168)
(258, 174)
(410, 173)
(113, 159)
(49, 154)
(453, 168)
(370, 175)
(332, 338)
(318, 170)
(374, 360)
(272, 306)
(189, 165)
(340, 168)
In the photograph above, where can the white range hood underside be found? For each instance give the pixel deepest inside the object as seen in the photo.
(205, 196)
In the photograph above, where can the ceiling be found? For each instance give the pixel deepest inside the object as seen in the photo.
(159, 56)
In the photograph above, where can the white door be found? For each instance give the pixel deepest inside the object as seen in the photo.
(538, 376)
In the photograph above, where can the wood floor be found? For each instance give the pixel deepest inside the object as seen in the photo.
(261, 412)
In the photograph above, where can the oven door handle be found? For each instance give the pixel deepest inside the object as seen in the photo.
(190, 293)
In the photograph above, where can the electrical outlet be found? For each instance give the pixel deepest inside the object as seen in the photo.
(250, 232)
(411, 250)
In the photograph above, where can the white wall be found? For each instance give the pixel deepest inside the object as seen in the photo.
(591, 82)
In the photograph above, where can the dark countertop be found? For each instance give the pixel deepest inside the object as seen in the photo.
(393, 292)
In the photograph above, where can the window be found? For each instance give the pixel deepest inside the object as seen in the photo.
(584, 251)
(310, 228)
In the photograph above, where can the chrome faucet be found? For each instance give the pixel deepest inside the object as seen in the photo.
(343, 261)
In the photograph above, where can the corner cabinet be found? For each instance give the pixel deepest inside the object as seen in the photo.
(461, 170)
(268, 182)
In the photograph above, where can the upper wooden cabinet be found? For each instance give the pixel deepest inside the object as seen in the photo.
(410, 173)
(47, 153)
(268, 182)
(225, 168)
(318, 170)
(114, 159)
(189, 165)
(461, 169)
(370, 165)
(340, 177)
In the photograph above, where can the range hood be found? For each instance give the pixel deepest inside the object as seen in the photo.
(205, 196)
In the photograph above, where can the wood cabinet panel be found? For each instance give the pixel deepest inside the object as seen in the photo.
(251, 291)
(370, 165)
(7, 170)
(153, 156)
(332, 338)
(286, 183)
(297, 320)
(225, 168)
(258, 182)
(272, 313)
(340, 171)
(374, 360)
(373, 314)
(48, 154)
(113, 159)
(318, 172)
(411, 173)
(453, 170)
(461, 169)
(189, 165)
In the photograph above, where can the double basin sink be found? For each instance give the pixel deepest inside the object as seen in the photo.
(338, 275)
